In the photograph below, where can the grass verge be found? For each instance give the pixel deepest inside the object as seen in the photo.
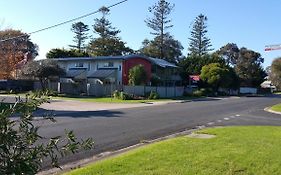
(276, 108)
(113, 100)
(235, 150)
(105, 100)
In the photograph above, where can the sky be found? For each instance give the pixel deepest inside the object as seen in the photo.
(248, 23)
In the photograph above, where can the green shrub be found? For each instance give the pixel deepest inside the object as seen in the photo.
(153, 95)
(197, 93)
(116, 94)
(203, 92)
(20, 148)
(125, 96)
(122, 95)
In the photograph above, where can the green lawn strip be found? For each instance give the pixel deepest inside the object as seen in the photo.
(113, 100)
(102, 100)
(235, 150)
(106, 99)
(276, 108)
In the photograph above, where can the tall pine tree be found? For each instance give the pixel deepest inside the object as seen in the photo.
(199, 43)
(80, 30)
(108, 43)
(160, 22)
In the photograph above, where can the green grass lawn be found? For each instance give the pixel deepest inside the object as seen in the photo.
(234, 150)
(105, 100)
(276, 108)
(113, 100)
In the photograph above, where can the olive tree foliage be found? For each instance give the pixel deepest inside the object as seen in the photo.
(22, 149)
(43, 70)
(137, 75)
(275, 73)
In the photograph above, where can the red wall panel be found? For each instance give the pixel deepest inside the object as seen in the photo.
(131, 62)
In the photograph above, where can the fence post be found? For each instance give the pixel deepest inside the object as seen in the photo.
(88, 89)
(166, 91)
(58, 87)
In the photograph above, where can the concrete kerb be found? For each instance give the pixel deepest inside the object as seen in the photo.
(111, 154)
(271, 111)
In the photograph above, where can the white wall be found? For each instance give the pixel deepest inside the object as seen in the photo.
(94, 65)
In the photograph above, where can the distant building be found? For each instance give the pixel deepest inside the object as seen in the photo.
(115, 69)
(267, 84)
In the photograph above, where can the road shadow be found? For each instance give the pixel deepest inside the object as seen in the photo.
(78, 114)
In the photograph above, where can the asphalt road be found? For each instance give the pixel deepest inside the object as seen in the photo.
(116, 129)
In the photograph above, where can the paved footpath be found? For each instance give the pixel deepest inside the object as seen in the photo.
(69, 105)
(76, 106)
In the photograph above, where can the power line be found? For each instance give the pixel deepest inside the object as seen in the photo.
(62, 23)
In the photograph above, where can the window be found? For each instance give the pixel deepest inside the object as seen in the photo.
(79, 64)
(108, 64)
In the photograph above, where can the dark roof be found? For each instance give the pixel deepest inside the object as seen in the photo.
(157, 61)
(161, 62)
(74, 73)
(102, 73)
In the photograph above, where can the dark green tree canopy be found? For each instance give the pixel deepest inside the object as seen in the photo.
(109, 47)
(172, 49)
(43, 70)
(249, 68)
(64, 53)
(246, 63)
(192, 64)
(80, 30)
(199, 43)
(159, 23)
(230, 52)
(107, 44)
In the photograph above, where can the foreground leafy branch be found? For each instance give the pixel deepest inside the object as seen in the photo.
(21, 151)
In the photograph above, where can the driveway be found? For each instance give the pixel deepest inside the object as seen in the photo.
(69, 105)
